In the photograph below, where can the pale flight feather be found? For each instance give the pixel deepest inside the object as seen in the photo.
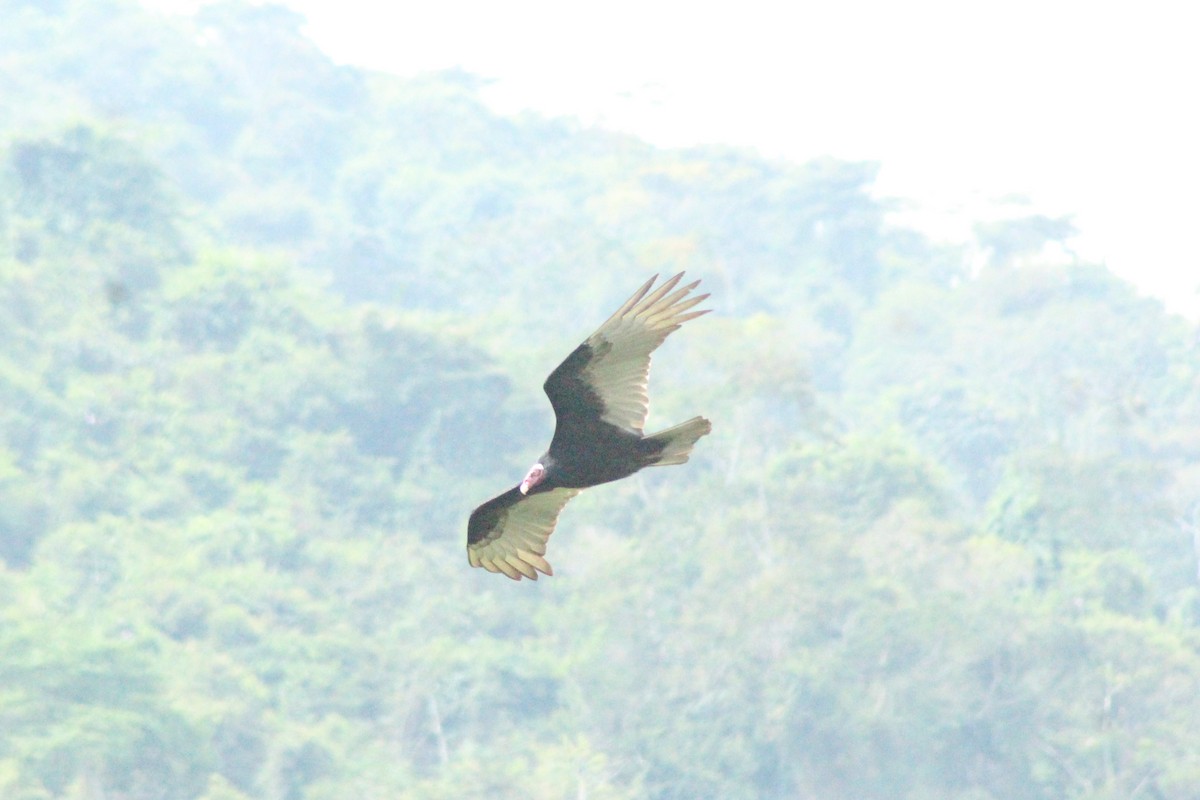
(620, 367)
(517, 544)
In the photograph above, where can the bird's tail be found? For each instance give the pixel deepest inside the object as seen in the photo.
(674, 445)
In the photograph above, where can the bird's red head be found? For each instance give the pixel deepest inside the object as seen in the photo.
(533, 478)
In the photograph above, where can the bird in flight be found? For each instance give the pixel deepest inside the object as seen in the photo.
(600, 403)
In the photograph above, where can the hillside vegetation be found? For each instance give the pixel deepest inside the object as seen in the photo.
(271, 327)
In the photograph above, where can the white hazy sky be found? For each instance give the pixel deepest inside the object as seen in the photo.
(1084, 108)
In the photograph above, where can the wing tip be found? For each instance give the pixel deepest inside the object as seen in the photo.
(522, 566)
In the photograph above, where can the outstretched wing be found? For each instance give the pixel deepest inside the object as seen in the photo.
(605, 377)
(509, 533)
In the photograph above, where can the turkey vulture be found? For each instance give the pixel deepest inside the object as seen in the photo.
(600, 404)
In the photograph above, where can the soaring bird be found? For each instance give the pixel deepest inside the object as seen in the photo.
(600, 403)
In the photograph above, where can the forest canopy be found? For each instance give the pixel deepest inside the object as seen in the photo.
(272, 326)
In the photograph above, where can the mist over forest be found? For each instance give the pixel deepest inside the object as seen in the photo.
(270, 328)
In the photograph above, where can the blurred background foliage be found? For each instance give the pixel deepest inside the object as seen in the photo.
(271, 327)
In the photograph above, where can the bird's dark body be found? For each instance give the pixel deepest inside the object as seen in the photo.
(585, 456)
(586, 450)
(581, 456)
